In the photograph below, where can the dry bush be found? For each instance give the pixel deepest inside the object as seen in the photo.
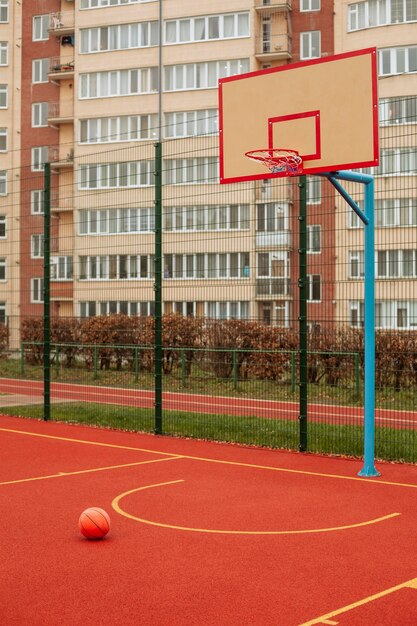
(4, 341)
(32, 333)
(179, 332)
(275, 363)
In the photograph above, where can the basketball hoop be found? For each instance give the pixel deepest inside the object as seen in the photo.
(278, 160)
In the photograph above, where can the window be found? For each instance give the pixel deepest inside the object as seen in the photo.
(127, 174)
(37, 246)
(36, 202)
(40, 69)
(356, 264)
(398, 161)
(189, 123)
(226, 310)
(39, 114)
(117, 129)
(310, 45)
(3, 318)
(313, 189)
(211, 265)
(3, 183)
(396, 263)
(3, 139)
(271, 217)
(207, 28)
(36, 290)
(119, 37)
(211, 217)
(193, 170)
(314, 287)
(4, 53)
(4, 11)
(40, 28)
(201, 75)
(98, 4)
(3, 229)
(119, 83)
(2, 269)
(3, 96)
(397, 60)
(396, 212)
(309, 5)
(398, 110)
(314, 239)
(380, 12)
(389, 314)
(116, 267)
(62, 268)
(39, 158)
(116, 221)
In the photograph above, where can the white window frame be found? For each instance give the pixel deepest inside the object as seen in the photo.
(40, 27)
(3, 226)
(4, 94)
(4, 139)
(207, 28)
(3, 313)
(39, 114)
(356, 260)
(191, 123)
(204, 75)
(307, 6)
(3, 183)
(4, 53)
(39, 156)
(37, 246)
(399, 59)
(36, 290)
(62, 268)
(3, 269)
(102, 4)
(314, 232)
(307, 44)
(40, 69)
(399, 110)
(310, 287)
(36, 202)
(4, 11)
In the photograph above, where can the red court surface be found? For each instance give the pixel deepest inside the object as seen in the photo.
(202, 533)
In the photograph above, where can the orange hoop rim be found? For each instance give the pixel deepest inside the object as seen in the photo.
(278, 160)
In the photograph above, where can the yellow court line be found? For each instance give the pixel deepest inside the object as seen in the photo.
(374, 481)
(412, 584)
(116, 506)
(86, 471)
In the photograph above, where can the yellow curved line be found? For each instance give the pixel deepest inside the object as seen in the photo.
(116, 506)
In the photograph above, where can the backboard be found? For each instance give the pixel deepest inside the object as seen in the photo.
(326, 109)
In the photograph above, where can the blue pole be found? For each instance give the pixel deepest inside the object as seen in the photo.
(368, 220)
(368, 468)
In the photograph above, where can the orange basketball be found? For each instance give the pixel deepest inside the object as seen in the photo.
(94, 523)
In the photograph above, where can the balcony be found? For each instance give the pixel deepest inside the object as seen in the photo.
(60, 113)
(61, 23)
(269, 7)
(272, 287)
(60, 69)
(277, 239)
(273, 48)
(66, 162)
(60, 203)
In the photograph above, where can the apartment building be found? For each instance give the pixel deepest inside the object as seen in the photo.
(91, 105)
(391, 26)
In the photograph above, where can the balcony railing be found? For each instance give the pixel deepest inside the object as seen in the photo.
(274, 47)
(62, 22)
(60, 111)
(280, 239)
(59, 67)
(60, 203)
(272, 286)
(267, 7)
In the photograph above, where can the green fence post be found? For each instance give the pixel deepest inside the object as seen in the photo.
(95, 363)
(22, 358)
(357, 375)
(234, 370)
(47, 293)
(292, 372)
(158, 348)
(136, 366)
(302, 317)
(183, 377)
(57, 360)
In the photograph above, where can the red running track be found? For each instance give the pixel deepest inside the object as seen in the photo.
(209, 404)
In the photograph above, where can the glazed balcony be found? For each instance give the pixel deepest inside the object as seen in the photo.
(268, 287)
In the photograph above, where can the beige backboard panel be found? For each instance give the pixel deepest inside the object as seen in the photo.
(326, 109)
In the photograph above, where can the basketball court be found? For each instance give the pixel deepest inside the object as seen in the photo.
(201, 533)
